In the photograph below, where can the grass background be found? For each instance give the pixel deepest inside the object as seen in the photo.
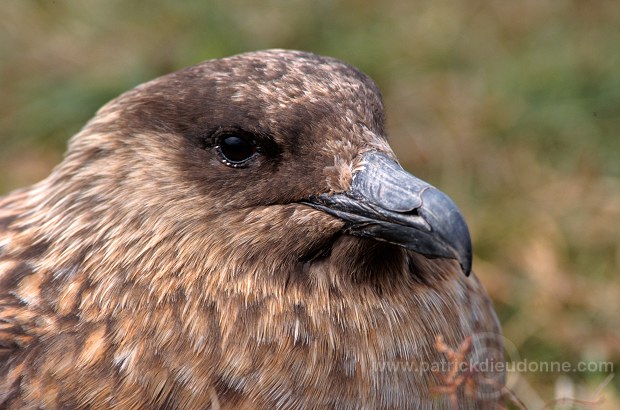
(513, 108)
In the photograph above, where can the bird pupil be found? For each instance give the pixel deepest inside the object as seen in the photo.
(236, 149)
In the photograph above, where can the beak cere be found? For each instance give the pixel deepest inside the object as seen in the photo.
(388, 204)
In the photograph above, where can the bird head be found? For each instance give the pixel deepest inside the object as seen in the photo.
(273, 159)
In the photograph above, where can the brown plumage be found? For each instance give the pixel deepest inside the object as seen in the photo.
(236, 235)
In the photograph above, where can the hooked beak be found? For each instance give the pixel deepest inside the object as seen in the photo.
(388, 204)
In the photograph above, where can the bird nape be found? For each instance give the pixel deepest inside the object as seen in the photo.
(239, 234)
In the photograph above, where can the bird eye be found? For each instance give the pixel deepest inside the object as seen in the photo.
(235, 150)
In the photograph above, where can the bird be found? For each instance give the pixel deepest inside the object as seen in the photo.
(239, 234)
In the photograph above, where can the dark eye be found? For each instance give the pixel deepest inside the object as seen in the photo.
(235, 149)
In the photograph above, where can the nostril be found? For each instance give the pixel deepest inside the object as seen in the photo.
(413, 212)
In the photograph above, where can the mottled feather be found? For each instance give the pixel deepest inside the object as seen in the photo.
(145, 273)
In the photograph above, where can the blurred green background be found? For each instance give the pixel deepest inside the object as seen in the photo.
(513, 108)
